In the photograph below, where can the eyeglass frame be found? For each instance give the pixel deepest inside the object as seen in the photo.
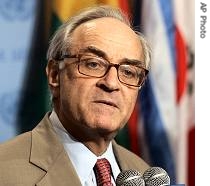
(79, 55)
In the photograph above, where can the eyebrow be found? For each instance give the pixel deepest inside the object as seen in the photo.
(95, 51)
(134, 62)
(102, 54)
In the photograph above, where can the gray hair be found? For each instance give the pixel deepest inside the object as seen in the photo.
(61, 41)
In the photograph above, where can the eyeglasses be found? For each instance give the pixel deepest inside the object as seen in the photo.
(94, 66)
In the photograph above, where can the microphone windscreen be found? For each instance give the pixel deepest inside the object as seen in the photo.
(156, 176)
(130, 178)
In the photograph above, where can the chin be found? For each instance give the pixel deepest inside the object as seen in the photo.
(109, 134)
(107, 126)
(104, 123)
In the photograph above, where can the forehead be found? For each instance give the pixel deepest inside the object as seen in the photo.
(112, 36)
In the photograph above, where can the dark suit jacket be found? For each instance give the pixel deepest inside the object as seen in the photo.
(38, 158)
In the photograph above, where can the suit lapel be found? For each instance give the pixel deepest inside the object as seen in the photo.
(126, 160)
(119, 157)
(48, 154)
(60, 173)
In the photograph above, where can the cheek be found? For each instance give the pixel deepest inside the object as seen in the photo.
(74, 94)
(68, 89)
(129, 103)
(71, 84)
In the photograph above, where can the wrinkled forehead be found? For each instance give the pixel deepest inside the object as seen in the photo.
(112, 36)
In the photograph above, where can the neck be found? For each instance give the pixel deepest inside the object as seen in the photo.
(96, 140)
(98, 149)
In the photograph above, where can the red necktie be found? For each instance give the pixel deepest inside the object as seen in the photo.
(102, 171)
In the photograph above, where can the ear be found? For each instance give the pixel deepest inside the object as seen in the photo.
(52, 71)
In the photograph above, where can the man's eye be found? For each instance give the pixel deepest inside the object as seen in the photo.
(128, 72)
(93, 64)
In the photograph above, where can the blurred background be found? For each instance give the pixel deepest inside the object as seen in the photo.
(162, 127)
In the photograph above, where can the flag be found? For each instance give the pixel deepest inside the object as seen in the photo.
(17, 21)
(165, 108)
(158, 97)
(34, 101)
(185, 35)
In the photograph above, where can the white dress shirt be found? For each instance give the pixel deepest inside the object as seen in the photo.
(81, 157)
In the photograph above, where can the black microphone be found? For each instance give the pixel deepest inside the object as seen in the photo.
(130, 178)
(156, 176)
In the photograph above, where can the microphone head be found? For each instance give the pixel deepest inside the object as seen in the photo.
(156, 176)
(130, 178)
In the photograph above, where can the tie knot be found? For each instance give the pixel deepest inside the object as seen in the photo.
(102, 171)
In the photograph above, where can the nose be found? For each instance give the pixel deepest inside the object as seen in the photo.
(110, 81)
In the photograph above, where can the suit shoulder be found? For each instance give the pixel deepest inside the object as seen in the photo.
(16, 148)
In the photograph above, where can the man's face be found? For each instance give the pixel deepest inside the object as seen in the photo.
(97, 104)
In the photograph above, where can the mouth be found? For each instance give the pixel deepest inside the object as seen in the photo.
(109, 103)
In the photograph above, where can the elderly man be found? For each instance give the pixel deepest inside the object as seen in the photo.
(96, 66)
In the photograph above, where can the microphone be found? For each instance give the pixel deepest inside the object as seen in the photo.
(130, 178)
(156, 176)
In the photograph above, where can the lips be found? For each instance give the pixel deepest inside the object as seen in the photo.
(106, 102)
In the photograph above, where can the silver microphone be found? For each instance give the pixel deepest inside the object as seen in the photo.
(156, 176)
(130, 178)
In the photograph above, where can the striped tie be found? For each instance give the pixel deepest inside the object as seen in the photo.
(102, 171)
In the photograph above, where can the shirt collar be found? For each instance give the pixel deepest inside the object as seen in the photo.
(81, 157)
